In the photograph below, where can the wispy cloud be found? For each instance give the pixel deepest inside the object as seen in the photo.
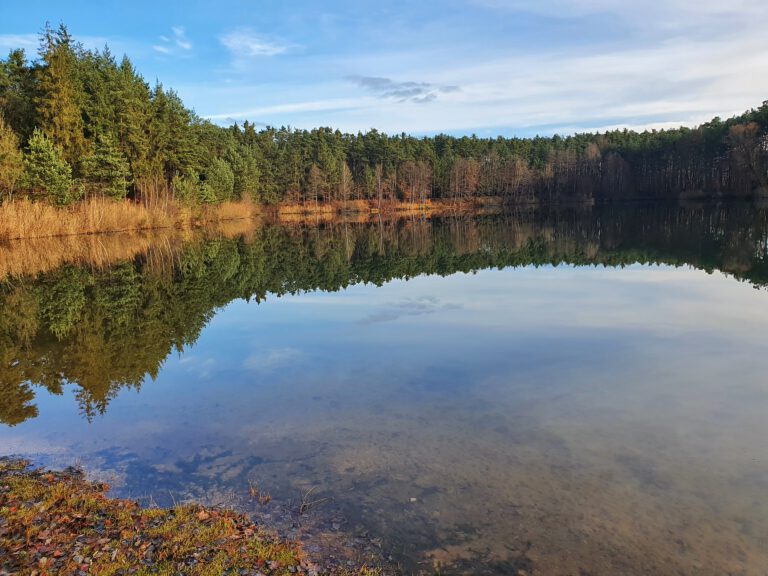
(293, 108)
(201, 367)
(177, 43)
(409, 307)
(547, 66)
(180, 38)
(648, 8)
(13, 41)
(270, 360)
(245, 43)
(31, 42)
(409, 91)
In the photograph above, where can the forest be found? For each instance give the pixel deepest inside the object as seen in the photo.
(78, 123)
(73, 324)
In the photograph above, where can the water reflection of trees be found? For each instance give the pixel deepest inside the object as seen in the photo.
(108, 328)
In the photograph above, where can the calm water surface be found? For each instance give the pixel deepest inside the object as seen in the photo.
(566, 392)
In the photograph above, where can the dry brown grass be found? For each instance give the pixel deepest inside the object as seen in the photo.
(26, 219)
(290, 208)
(367, 210)
(36, 255)
(32, 256)
(410, 207)
(115, 237)
(356, 206)
(244, 209)
(305, 217)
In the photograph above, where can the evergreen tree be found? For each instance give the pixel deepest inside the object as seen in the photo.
(172, 147)
(221, 180)
(11, 161)
(17, 94)
(59, 105)
(132, 116)
(47, 173)
(98, 75)
(246, 172)
(186, 188)
(107, 168)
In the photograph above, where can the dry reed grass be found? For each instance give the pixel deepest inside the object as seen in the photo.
(244, 209)
(305, 217)
(26, 219)
(38, 237)
(356, 206)
(291, 208)
(36, 255)
(32, 256)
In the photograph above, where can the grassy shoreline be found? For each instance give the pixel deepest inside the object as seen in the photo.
(60, 523)
(24, 219)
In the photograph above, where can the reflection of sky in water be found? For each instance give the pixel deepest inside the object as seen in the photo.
(608, 416)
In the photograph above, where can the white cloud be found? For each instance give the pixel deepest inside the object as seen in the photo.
(244, 43)
(678, 82)
(31, 42)
(13, 41)
(657, 13)
(180, 38)
(296, 108)
(629, 63)
(273, 359)
(201, 367)
(177, 43)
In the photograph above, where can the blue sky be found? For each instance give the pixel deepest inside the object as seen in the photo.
(510, 67)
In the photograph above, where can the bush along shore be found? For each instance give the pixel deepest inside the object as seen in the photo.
(60, 523)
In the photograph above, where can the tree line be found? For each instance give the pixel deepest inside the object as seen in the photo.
(74, 324)
(76, 122)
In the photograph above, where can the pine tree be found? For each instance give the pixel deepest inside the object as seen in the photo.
(107, 168)
(17, 93)
(246, 173)
(98, 73)
(132, 110)
(170, 136)
(59, 105)
(47, 173)
(221, 180)
(316, 182)
(186, 188)
(11, 161)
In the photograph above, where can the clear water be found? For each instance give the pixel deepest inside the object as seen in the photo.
(553, 413)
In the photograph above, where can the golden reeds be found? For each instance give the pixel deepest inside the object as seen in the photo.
(26, 219)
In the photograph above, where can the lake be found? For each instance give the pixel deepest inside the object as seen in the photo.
(562, 391)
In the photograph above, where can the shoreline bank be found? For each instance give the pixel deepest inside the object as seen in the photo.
(24, 219)
(55, 522)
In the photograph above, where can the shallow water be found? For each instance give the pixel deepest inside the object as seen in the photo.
(473, 394)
